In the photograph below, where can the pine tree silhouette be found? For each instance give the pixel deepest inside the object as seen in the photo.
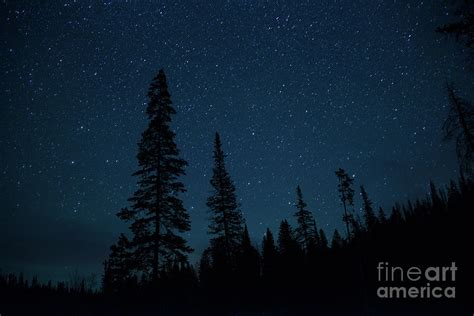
(205, 268)
(381, 217)
(157, 215)
(118, 267)
(290, 256)
(347, 197)
(107, 280)
(369, 215)
(248, 262)
(306, 232)
(287, 244)
(269, 257)
(454, 196)
(337, 241)
(436, 200)
(396, 217)
(226, 226)
(323, 240)
(460, 126)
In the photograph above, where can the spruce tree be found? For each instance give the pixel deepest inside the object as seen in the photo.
(337, 241)
(382, 218)
(460, 126)
(438, 204)
(157, 214)
(369, 215)
(118, 267)
(205, 268)
(248, 261)
(269, 256)
(306, 232)
(346, 194)
(290, 257)
(287, 244)
(226, 226)
(396, 217)
(453, 196)
(323, 240)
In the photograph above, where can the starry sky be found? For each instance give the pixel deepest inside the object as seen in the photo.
(297, 89)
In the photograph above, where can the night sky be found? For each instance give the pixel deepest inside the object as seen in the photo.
(296, 91)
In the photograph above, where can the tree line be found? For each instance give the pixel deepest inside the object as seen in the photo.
(298, 266)
(232, 269)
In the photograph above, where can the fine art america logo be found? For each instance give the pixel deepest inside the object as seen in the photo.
(416, 282)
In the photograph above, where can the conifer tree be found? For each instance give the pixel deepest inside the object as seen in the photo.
(290, 256)
(323, 240)
(226, 226)
(464, 183)
(382, 218)
(436, 200)
(396, 216)
(205, 267)
(157, 214)
(287, 244)
(410, 209)
(337, 241)
(460, 126)
(248, 261)
(269, 256)
(306, 232)
(369, 215)
(346, 194)
(107, 285)
(118, 267)
(453, 196)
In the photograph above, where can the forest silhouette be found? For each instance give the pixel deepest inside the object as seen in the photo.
(295, 270)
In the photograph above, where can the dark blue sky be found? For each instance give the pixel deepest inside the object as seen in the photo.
(297, 89)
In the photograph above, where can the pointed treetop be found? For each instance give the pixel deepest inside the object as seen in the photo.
(336, 240)
(227, 222)
(369, 215)
(268, 234)
(306, 231)
(218, 152)
(323, 239)
(382, 217)
(246, 236)
(160, 98)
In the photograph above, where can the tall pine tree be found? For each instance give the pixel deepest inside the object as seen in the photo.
(337, 241)
(290, 255)
(248, 261)
(460, 126)
(227, 223)
(118, 267)
(369, 214)
(323, 240)
(287, 244)
(381, 218)
(269, 257)
(347, 197)
(306, 232)
(157, 214)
